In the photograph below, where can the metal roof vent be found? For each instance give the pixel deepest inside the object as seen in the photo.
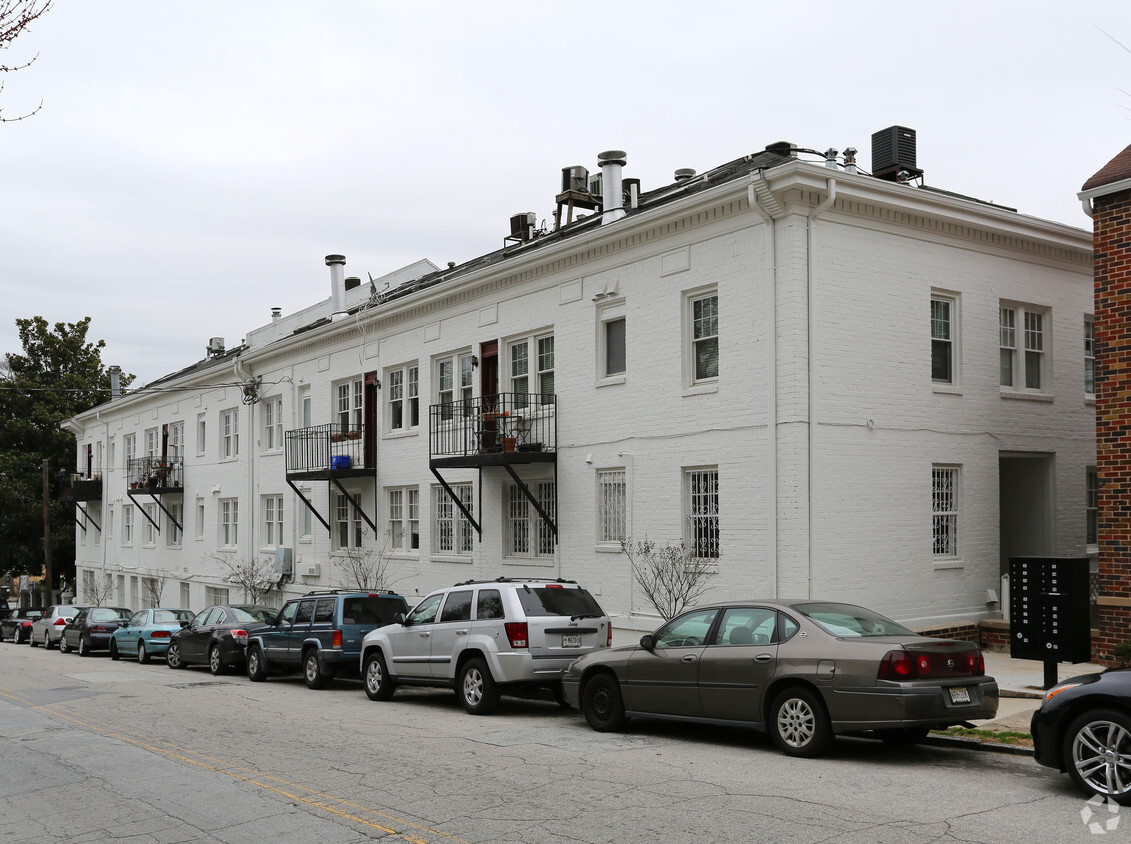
(893, 152)
(783, 148)
(684, 174)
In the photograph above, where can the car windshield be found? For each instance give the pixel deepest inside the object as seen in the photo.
(171, 616)
(109, 614)
(850, 622)
(557, 600)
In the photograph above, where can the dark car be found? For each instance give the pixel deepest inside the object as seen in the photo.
(803, 671)
(17, 626)
(92, 629)
(320, 634)
(1083, 728)
(217, 637)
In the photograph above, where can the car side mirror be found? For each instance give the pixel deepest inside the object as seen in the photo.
(647, 642)
(400, 618)
(185, 624)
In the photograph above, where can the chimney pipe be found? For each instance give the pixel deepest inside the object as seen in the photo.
(276, 314)
(115, 382)
(684, 174)
(612, 192)
(337, 265)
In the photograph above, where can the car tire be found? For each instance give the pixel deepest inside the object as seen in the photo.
(378, 684)
(64, 648)
(903, 736)
(216, 661)
(256, 669)
(559, 695)
(312, 671)
(602, 704)
(799, 724)
(477, 689)
(173, 656)
(1096, 744)
(47, 641)
(31, 640)
(114, 655)
(142, 653)
(83, 648)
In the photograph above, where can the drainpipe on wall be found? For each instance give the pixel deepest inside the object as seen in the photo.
(243, 377)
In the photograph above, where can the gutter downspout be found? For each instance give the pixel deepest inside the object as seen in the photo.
(816, 212)
(766, 205)
(252, 499)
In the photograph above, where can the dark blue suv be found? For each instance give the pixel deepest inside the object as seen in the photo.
(320, 634)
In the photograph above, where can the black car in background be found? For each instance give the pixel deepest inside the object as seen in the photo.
(17, 626)
(1083, 728)
(91, 629)
(217, 637)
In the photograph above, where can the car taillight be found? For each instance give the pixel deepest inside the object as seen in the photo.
(99, 629)
(897, 665)
(60, 622)
(160, 634)
(239, 634)
(609, 638)
(25, 624)
(516, 632)
(901, 665)
(336, 639)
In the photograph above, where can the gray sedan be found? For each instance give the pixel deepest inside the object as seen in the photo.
(803, 671)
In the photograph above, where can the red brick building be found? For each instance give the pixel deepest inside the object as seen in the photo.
(1107, 197)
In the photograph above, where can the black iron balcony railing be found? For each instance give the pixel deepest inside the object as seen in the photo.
(79, 487)
(155, 473)
(504, 423)
(327, 448)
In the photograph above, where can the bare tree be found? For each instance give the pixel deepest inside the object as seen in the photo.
(670, 575)
(15, 17)
(97, 588)
(370, 569)
(256, 576)
(153, 585)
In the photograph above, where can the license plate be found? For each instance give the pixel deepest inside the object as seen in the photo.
(959, 694)
(571, 640)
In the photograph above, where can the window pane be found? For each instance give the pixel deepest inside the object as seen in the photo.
(614, 347)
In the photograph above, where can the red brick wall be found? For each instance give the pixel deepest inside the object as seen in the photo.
(1112, 242)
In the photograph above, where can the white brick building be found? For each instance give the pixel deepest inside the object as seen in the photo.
(800, 368)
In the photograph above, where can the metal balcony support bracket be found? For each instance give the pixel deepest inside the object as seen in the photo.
(546, 517)
(309, 505)
(86, 519)
(356, 505)
(459, 504)
(145, 512)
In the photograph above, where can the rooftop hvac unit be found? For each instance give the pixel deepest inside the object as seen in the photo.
(893, 150)
(284, 562)
(215, 345)
(595, 185)
(522, 225)
(575, 178)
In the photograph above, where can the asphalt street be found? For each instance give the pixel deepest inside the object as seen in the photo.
(94, 750)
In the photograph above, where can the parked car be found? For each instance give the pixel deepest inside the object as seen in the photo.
(803, 671)
(1083, 728)
(48, 628)
(147, 633)
(217, 637)
(482, 638)
(17, 626)
(91, 629)
(320, 634)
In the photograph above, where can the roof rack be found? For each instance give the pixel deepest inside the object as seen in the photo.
(517, 580)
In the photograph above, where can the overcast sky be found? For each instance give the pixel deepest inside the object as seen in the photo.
(194, 162)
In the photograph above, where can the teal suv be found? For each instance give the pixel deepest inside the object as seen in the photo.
(320, 635)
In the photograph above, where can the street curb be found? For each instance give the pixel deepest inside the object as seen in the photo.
(977, 744)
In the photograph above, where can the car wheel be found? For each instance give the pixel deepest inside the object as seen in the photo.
(47, 641)
(903, 736)
(173, 656)
(256, 670)
(1097, 750)
(477, 689)
(312, 671)
(215, 661)
(114, 655)
(799, 725)
(602, 703)
(378, 684)
(83, 648)
(63, 646)
(31, 640)
(142, 653)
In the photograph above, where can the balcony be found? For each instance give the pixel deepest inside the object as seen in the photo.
(77, 487)
(155, 475)
(499, 430)
(329, 451)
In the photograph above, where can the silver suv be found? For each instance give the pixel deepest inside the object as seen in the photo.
(486, 637)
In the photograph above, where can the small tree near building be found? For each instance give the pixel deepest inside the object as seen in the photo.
(257, 576)
(153, 586)
(97, 587)
(670, 576)
(370, 569)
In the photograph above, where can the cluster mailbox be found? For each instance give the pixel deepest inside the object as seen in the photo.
(1050, 609)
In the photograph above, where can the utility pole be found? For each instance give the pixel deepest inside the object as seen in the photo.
(47, 579)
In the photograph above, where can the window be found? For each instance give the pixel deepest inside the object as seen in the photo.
(454, 383)
(1024, 346)
(1091, 505)
(457, 607)
(200, 518)
(350, 404)
(942, 339)
(127, 525)
(230, 434)
(307, 522)
(404, 518)
(612, 507)
(614, 347)
(152, 442)
(229, 522)
(149, 532)
(403, 387)
(109, 522)
(702, 508)
(527, 535)
(172, 532)
(201, 434)
(185, 594)
(129, 446)
(944, 511)
(215, 595)
(273, 520)
(532, 370)
(95, 510)
(176, 433)
(451, 531)
(272, 424)
(149, 593)
(704, 319)
(347, 524)
(1089, 357)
